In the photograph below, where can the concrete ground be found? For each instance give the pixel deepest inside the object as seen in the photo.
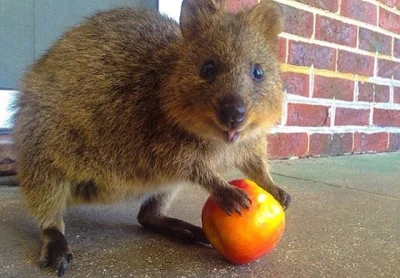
(344, 222)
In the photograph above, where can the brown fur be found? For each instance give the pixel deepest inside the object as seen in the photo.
(117, 107)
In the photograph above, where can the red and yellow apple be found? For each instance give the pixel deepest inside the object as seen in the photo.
(247, 237)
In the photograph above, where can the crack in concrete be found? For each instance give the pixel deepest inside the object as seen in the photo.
(337, 186)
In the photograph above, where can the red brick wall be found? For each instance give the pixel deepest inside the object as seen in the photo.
(341, 69)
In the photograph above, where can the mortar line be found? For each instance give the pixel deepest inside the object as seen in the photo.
(333, 45)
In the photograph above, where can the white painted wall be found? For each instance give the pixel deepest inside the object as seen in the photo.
(170, 7)
(5, 111)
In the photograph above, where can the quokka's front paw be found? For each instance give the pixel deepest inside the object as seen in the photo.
(232, 199)
(282, 197)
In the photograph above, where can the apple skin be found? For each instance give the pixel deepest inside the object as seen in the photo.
(246, 238)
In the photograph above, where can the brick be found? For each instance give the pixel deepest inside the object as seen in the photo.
(286, 145)
(396, 52)
(389, 20)
(319, 145)
(382, 93)
(373, 92)
(296, 83)
(234, 6)
(365, 92)
(387, 69)
(281, 49)
(297, 22)
(349, 62)
(396, 94)
(375, 42)
(335, 31)
(305, 54)
(341, 143)
(329, 5)
(394, 143)
(330, 144)
(391, 3)
(375, 142)
(333, 88)
(348, 116)
(359, 10)
(308, 115)
(386, 118)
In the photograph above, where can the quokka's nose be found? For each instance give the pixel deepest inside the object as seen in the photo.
(232, 111)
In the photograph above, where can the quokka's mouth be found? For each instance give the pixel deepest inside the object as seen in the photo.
(232, 135)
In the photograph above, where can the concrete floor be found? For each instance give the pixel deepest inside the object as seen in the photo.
(344, 222)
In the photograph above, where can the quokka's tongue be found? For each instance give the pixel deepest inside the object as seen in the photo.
(232, 135)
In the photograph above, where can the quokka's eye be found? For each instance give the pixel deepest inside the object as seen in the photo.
(257, 73)
(209, 70)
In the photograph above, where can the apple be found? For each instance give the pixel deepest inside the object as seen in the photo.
(247, 237)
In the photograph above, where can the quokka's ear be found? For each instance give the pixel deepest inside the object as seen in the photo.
(192, 12)
(267, 17)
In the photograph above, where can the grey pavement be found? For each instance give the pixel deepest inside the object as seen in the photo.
(344, 222)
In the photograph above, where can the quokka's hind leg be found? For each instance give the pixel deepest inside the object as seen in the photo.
(46, 198)
(152, 216)
(56, 251)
